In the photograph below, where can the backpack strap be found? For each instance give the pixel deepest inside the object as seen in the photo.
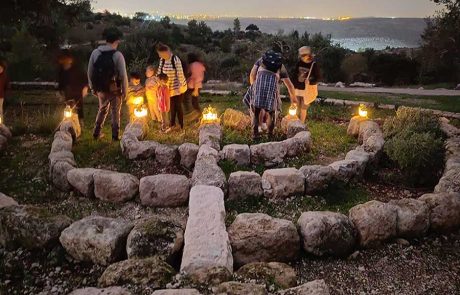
(307, 80)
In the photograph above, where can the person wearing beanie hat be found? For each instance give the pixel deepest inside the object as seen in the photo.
(305, 77)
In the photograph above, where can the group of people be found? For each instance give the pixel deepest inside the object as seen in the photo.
(169, 86)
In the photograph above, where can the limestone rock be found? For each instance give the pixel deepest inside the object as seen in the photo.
(413, 217)
(164, 190)
(257, 237)
(295, 127)
(327, 233)
(138, 129)
(6, 201)
(359, 155)
(152, 271)
(177, 292)
(115, 187)
(244, 185)
(367, 129)
(134, 149)
(375, 221)
(374, 143)
(60, 145)
(283, 183)
(30, 227)
(236, 119)
(209, 173)
(207, 245)
(211, 134)
(444, 210)
(237, 153)
(268, 154)
(236, 288)
(58, 175)
(96, 239)
(156, 237)
(63, 156)
(317, 287)
(188, 153)
(208, 154)
(299, 144)
(268, 273)
(104, 291)
(5, 131)
(346, 170)
(167, 155)
(449, 182)
(353, 126)
(82, 180)
(317, 177)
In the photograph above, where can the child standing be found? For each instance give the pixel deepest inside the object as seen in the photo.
(135, 95)
(151, 88)
(266, 91)
(164, 100)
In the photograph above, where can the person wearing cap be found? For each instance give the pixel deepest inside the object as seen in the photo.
(305, 77)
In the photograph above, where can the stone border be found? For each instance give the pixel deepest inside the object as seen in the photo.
(5, 135)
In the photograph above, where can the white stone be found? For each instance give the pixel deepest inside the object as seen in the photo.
(207, 172)
(444, 210)
(82, 179)
(299, 144)
(206, 152)
(268, 154)
(211, 134)
(164, 190)
(138, 129)
(317, 287)
(294, 127)
(368, 128)
(449, 182)
(353, 126)
(317, 177)
(207, 244)
(167, 155)
(244, 185)
(115, 187)
(347, 169)
(60, 145)
(58, 175)
(240, 154)
(283, 183)
(177, 292)
(6, 201)
(413, 218)
(96, 239)
(188, 153)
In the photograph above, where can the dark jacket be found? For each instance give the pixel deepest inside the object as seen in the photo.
(4, 84)
(300, 73)
(72, 82)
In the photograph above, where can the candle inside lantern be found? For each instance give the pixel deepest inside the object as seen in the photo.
(209, 115)
(67, 112)
(138, 100)
(362, 111)
(293, 110)
(140, 112)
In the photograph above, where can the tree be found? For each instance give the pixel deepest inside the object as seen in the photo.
(252, 27)
(236, 26)
(141, 16)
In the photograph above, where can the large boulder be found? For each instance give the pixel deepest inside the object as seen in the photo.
(209, 173)
(102, 291)
(295, 127)
(58, 175)
(96, 239)
(156, 237)
(6, 201)
(298, 144)
(177, 292)
(265, 273)
(268, 154)
(164, 190)
(167, 155)
(347, 170)
(244, 185)
(30, 227)
(444, 210)
(375, 221)
(359, 155)
(413, 218)
(208, 154)
(63, 156)
(317, 287)
(236, 119)
(115, 187)
(449, 182)
(317, 177)
(207, 244)
(237, 288)
(82, 179)
(283, 183)
(240, 154)
(326, 233)
(210, 134)
(188, 153)
(353, 126)
(138, 129)
(374, 143)
(134, 149)
(367, 129)
(152, 271)
(257, 237)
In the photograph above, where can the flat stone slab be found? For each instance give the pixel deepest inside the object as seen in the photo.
(211, 134)
(244, 185)
(82, 179)
(317, 177)
(317, 287)
(207, 244)
(240, 154)
(444, 210)
(283, 183)
(164, 190)
(268, 154)
(188, 153)
(115, 187)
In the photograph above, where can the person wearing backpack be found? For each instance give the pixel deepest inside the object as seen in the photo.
(305, 77)
(171, 65)
(108, 79)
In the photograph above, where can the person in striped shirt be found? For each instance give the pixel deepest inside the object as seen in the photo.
(171, 65)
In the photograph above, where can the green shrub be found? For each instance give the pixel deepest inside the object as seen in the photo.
(411, 119)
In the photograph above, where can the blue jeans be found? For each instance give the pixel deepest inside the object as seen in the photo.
(106, 101)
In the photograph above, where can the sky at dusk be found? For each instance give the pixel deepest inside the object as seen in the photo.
(294, 8)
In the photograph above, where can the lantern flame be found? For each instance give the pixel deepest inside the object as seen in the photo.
(210, 115)
(362, 111)
(293, 110)
(67, 112)
(138, 100)
(140, 112)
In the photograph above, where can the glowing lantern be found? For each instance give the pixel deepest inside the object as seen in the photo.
(67, 112)
(140, 112)
(362, 111)
(293, 110)
(209, 115)
(137, 101)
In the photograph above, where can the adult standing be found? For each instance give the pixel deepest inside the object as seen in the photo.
(305, 76)
(109, 80)
(72, 83)
(4, 85)
(171, 65)
(196, 69)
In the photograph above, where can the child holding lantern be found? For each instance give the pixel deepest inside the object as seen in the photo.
(164, 100)
(151, 88)
(135, 95)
